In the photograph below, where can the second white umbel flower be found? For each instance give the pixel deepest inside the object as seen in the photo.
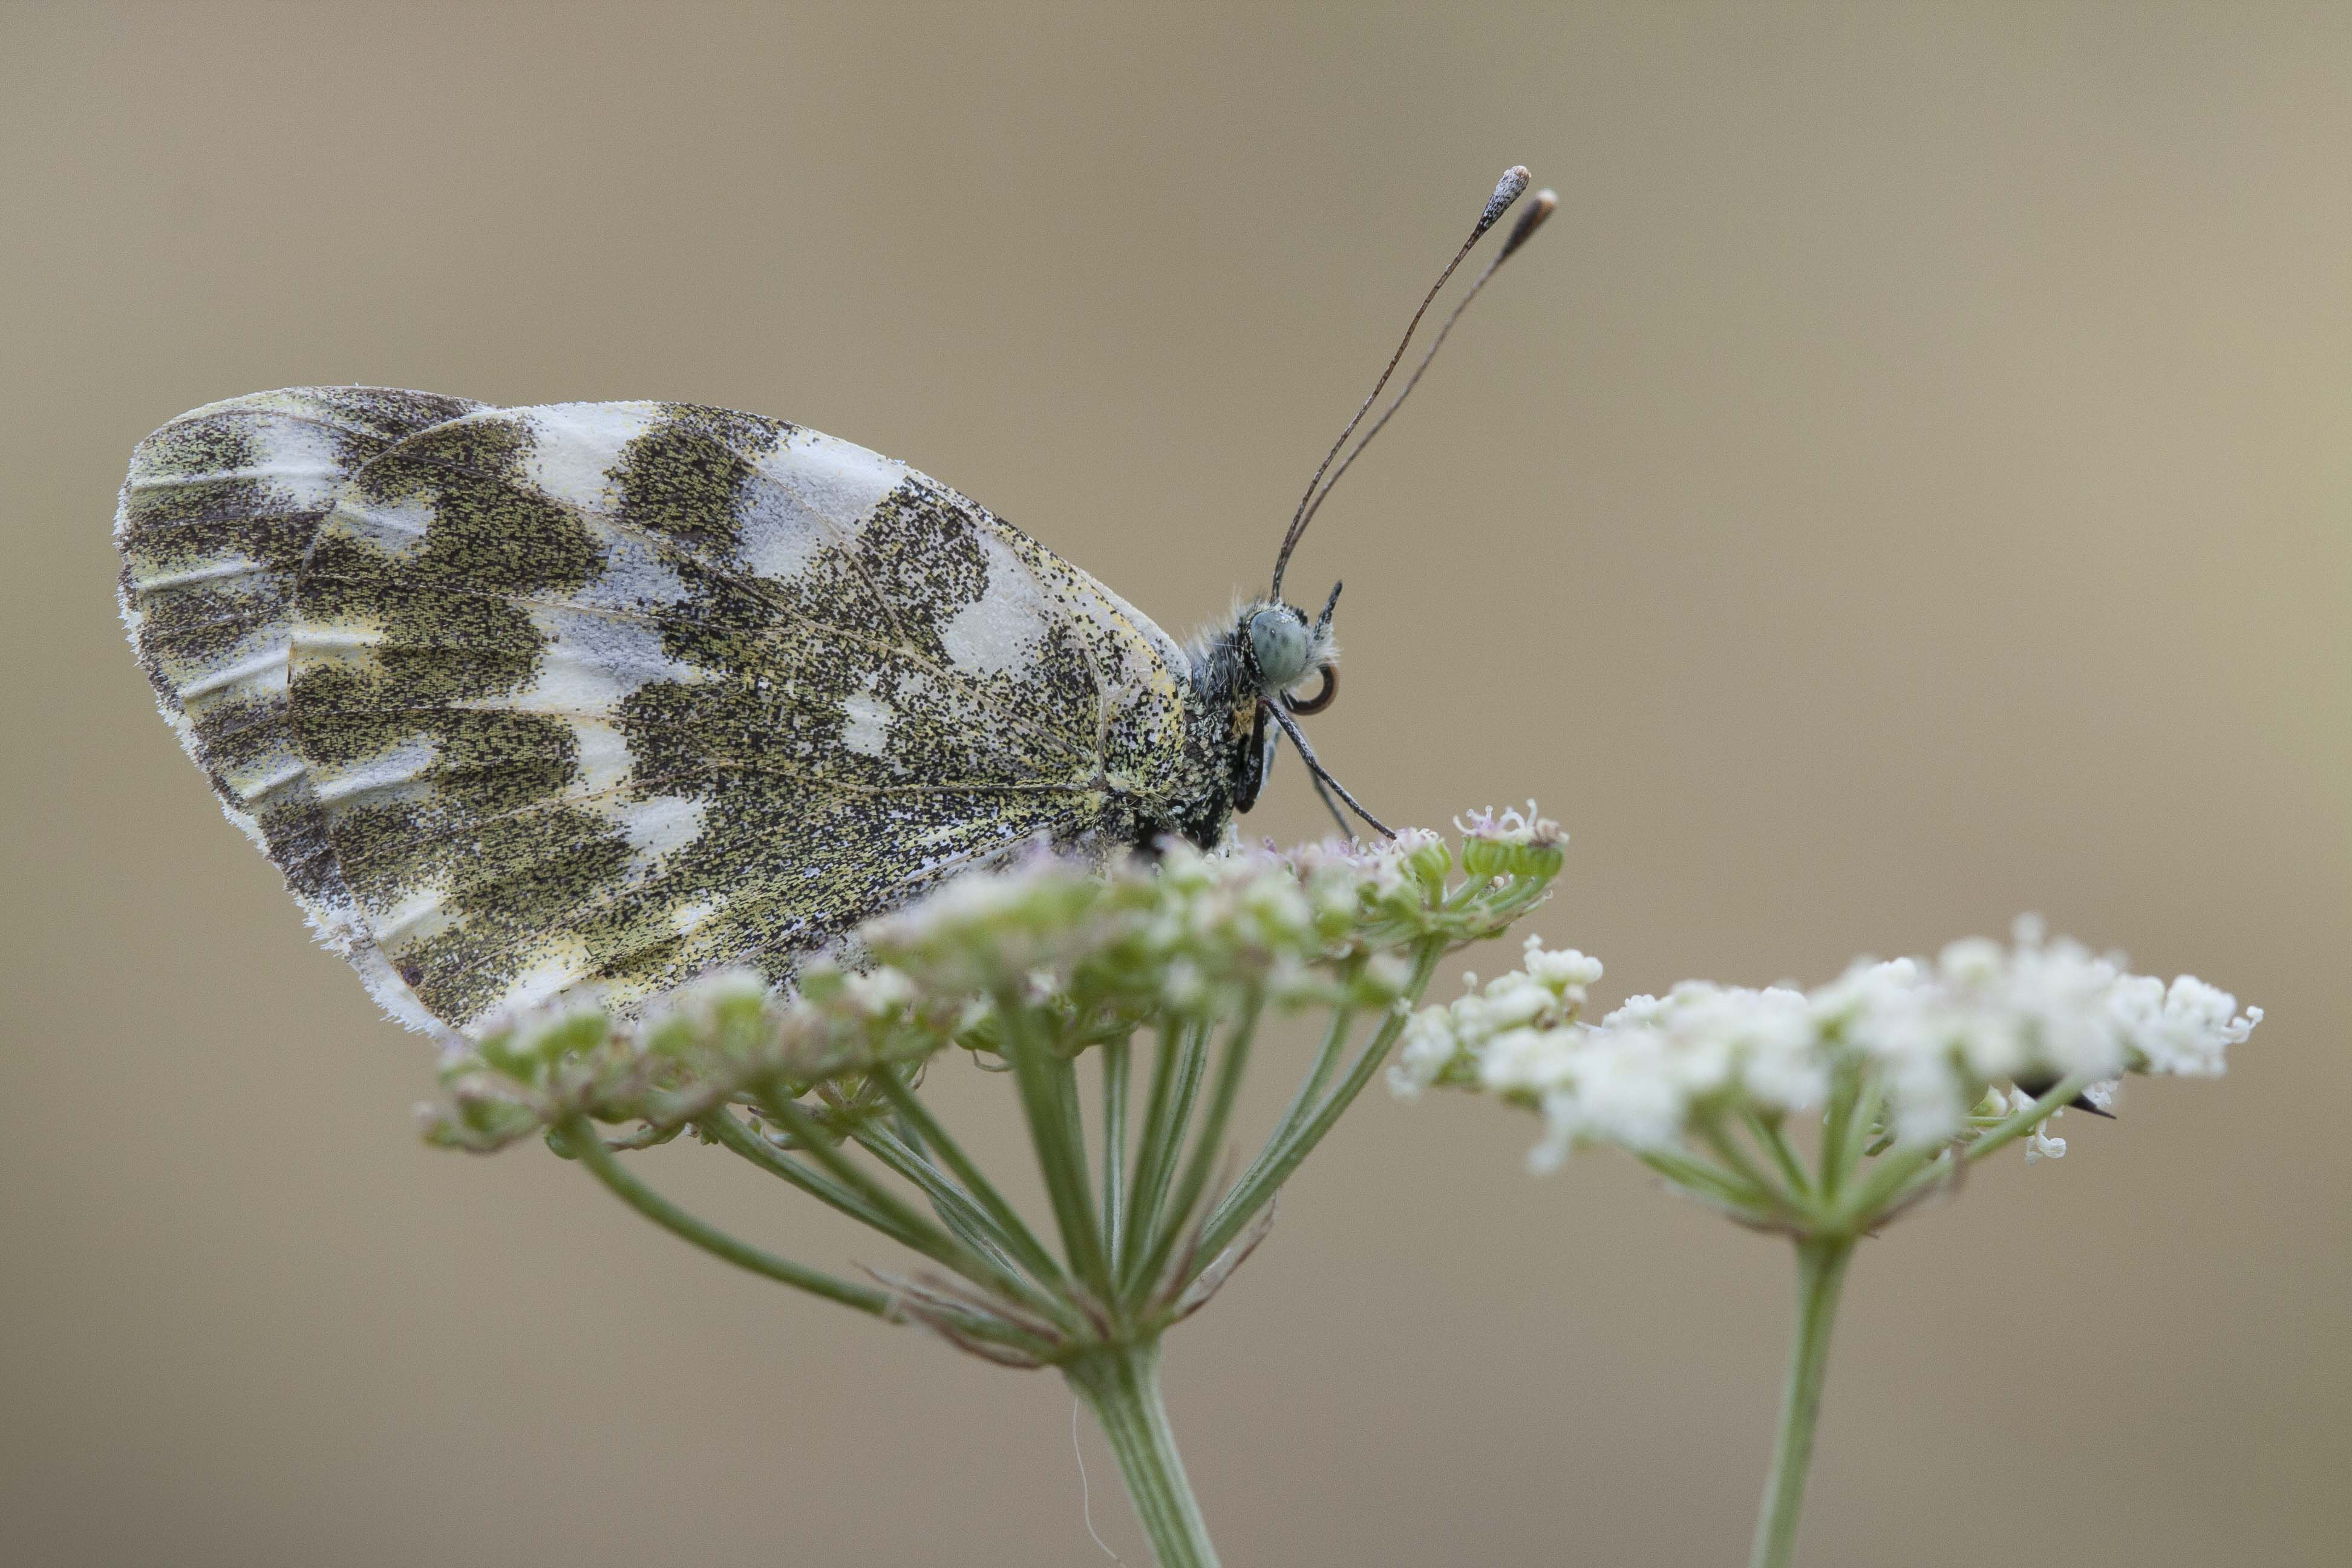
(1903, 1059)
(1821, 1114)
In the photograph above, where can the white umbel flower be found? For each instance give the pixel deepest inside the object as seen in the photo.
(1933, 1035)
(1522, 1014)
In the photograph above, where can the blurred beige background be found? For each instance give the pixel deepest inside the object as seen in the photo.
(1909, 484)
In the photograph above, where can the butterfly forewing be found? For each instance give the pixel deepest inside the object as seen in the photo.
(591, 698)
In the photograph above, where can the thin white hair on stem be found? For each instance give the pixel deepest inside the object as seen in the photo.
(1086, 1492)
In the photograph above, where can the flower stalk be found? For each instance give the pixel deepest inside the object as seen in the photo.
(1821, 1274)
(1122, 1386)
(582, 1142)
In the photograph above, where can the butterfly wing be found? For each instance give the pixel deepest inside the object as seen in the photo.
(216, 517)
(596, 697)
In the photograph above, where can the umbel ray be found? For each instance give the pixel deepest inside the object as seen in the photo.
(588, 698)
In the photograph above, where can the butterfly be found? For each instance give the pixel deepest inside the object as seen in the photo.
(584, 699)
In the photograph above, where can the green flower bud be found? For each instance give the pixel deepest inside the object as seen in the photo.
(1510, 844)
(527, 1049)
(1430, 862)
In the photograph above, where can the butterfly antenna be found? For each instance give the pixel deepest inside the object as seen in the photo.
(1323, 621)
(1323, 774)
(1508, 189)
(1529, 221)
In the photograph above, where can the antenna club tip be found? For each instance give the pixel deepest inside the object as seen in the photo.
(1538, 209)
(1508, 189)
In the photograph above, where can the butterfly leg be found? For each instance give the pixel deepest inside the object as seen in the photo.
(1323, 793)
(1321, 773)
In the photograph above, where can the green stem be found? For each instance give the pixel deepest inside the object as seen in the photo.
(1836, 1128)
(1767, 1132)
(1207, 1149)
(580, 1140)
(1114, 1150)
(911, 1228)
(1274, 1166)
(1122, 1386)
(1153, 1134)
(1821, 1271)
(1326, 1062)
(950, 1203)
(1713, 1133)
(1755, 1205)
(1864, 1202)
(1049, 1104)
(1183, 1057)
(1310, 1089)
(732, 1134)
(1027, 1247)
(1842, 1157)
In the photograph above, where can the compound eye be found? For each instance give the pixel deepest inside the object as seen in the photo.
(1279, 642)
(1323, 695)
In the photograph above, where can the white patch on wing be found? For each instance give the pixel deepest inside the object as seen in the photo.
(867, 732)
(269, 666)
(589, 663)
(1000, 630)
(602, 756)
(553, 972)
(839, 479)
(576, 446)
(635, 577)
(657, 825)
(327, 633)
(396, 529)
(250, 676)
(817, 489)
(403, 763)
(415, 918)
(299, 458)
(688, 918)
(231, 565)
(249, 791)
(780, 532)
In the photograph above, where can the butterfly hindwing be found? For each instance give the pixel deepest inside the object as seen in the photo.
(596, 697)
(216, 518)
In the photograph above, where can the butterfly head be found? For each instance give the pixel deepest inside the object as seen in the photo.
(1270, 650)
(1281, 648)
